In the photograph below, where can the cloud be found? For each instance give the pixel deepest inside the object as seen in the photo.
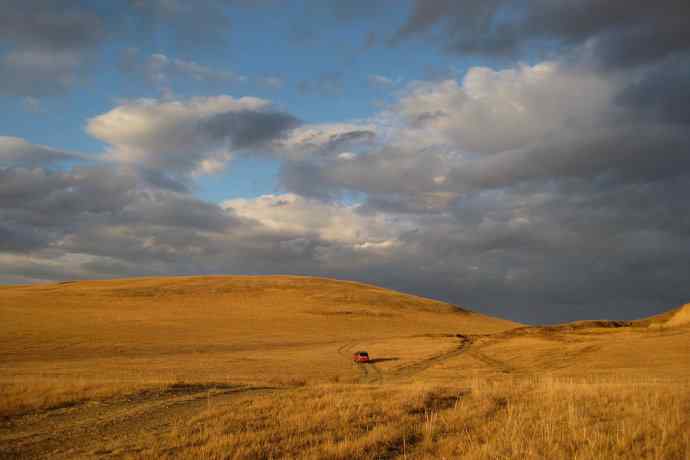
(618, 33)
(48, 46)
(548, 180)
(663, 92)
(98, 210)
(38, 72)
(498, 129)
(184, 136)
(307, 219)
(159, 70)
(525, 102)
(15, 151)
(101, 221)
(162, 72)
(50, 25)
(249, 128)
(544, 249)
(323, 139)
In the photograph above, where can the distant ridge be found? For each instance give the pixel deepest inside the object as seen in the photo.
(234, 311)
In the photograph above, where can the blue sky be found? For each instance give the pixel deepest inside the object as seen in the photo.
(519, 158)
(283, 43)
(293, 42)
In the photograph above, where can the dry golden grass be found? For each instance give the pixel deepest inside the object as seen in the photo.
(259, 367)
(208, 327)
(681, 317)
(512, 418)
(27, 397)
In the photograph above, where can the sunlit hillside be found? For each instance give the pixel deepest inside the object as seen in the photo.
(217, 328)
(260, 367)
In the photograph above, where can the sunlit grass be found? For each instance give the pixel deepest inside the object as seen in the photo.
(507, 419)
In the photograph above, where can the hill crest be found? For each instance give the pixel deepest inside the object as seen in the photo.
(681, 317)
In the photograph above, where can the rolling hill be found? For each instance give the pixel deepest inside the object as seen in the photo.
(245, 326)
(260, 367)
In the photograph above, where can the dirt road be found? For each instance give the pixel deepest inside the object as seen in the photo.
(115, 427)
(419, 366)
(371, 373)
(125, 426)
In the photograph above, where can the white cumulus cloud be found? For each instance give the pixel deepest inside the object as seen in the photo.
(188, 135)
(291, 214)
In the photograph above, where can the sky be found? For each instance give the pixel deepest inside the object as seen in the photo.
(526, 159)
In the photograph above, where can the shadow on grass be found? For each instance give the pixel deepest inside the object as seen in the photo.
(382, 360)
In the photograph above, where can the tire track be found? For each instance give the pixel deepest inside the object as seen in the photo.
(81, 431)
(412, 369)
(378, 375)
(344, 351)
(368, 372)
(502, 367)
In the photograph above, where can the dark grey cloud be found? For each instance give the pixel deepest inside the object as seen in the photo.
(533, 252)
(571, 253)
(48, 46)
(543, 193)
(25, 270)
(49, 195)
(635, 152)
(17, 152)
(97, 211)
(246, 128)
(621, 33)
(54, 25)
(39, 72)
(663, 93)
(176, 210)
(160, 179)
(94, 222)
(19, 238)
(40, 206)
(294, 174)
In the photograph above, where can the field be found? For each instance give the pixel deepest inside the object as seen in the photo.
(259, 367)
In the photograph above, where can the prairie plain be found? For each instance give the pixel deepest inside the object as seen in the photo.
(260, 367)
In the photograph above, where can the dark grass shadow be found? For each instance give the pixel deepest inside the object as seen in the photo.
(382, 360)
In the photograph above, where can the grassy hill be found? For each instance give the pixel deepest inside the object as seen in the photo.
(260, 367)
(238, 327)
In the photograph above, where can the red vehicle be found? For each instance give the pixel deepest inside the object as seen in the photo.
(361, 357)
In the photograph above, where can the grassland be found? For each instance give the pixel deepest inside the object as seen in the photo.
(259, 367)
